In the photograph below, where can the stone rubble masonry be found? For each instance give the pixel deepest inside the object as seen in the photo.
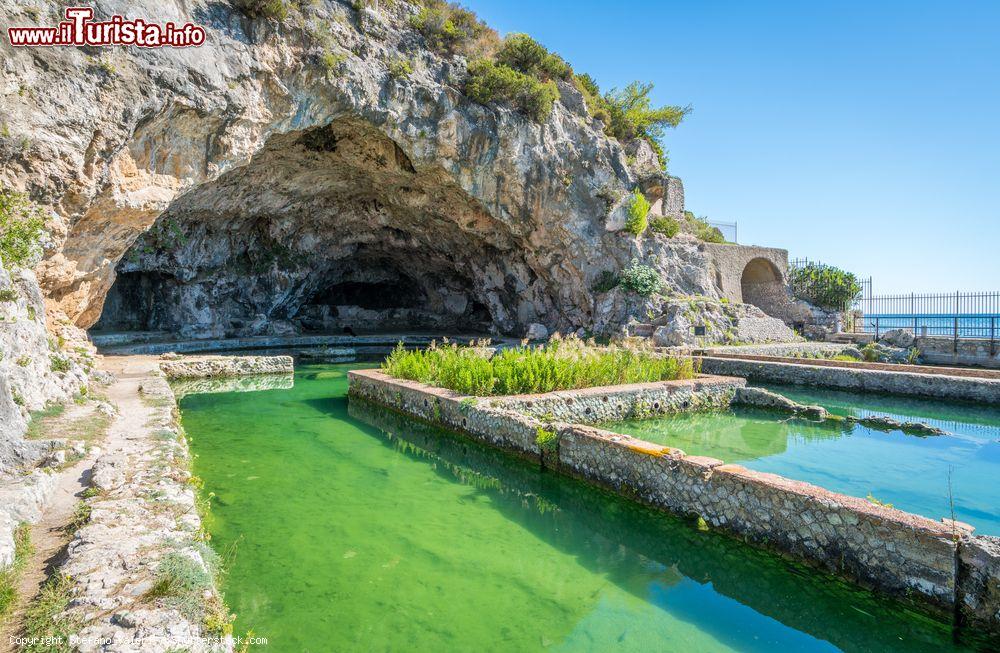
(859, 378)
(966, 351)
(209, 367)
(896, 553)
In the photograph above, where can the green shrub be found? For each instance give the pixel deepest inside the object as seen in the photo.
(526, 55)
(492, 82)
(399, 68)
(640, 279)
(547, 440)
(59, 363)
(702, 230)
(276, 9)
(21, 228)
(8, 295)
(561, 364)
(606, 281)
(665, 225)
(452, 29)
(628, 114)
(638, 209)
(824, 285)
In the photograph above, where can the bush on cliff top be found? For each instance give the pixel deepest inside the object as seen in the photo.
(561, 364)
(492, 82)
(452, 29)
(21, 228)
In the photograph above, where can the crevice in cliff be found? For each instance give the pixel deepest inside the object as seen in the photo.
(323, 229)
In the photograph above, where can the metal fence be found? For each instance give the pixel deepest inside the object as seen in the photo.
(729, 230)
(953, 315)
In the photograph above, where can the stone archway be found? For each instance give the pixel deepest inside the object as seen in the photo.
(762, 285)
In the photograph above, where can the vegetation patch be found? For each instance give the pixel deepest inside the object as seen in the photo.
(22, 225)
(561, 364)
(46, 628)
(825, 286)
(638, 209)
(665, 225)
(640, 279)
(547, 440)
(11, 575)
(180, 582)
(452, 29)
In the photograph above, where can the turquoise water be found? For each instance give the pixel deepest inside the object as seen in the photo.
(354, 529)
(916, 474)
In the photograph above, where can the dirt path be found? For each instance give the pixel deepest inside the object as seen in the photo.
(50, 535)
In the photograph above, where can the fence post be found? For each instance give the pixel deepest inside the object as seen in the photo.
(955, 346)
(993, 336)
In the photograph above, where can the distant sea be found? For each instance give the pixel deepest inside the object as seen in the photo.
(969, 326)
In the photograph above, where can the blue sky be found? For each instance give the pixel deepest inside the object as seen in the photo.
(862, 134)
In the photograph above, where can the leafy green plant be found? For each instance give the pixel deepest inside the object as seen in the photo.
(665, 225)
(606, 281)
(561, 364)
(492, 82)
(46, 630)
(547, 440)
(8, 295)
(21, 229)
(641, 279)
(824, 285)
(525, 54)
(638, 209)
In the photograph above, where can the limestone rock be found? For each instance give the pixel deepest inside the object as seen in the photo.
(902, 338)
(536, 331)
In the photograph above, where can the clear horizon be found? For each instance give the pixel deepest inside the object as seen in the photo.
(861, 136)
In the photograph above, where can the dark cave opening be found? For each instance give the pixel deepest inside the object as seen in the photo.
(329, 228)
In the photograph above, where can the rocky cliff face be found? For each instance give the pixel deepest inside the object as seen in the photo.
(242, 187)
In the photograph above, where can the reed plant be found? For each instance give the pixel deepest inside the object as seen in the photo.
(561, 364)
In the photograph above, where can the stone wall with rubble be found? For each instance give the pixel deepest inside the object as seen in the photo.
(634, 401)
(903, 555)
(964, 351)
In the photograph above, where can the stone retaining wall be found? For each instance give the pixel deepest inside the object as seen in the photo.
(860, 365)
(210, 367)
(896, 553)
(934, 386)
(966, 351)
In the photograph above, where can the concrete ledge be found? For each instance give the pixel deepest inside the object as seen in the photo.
(209, 367)
(933, 386)
(860, 365)
(896, 553)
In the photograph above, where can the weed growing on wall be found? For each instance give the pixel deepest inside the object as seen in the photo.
(640, 279)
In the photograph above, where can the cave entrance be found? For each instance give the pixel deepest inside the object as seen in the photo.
(762, 285)
(325, 229)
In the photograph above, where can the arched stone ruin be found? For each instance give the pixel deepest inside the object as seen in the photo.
(762, 285)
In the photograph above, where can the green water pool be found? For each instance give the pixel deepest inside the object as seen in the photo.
(908, 471)
(348, 528)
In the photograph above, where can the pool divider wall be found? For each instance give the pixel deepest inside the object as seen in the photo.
(911, 384)
(888, 550)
